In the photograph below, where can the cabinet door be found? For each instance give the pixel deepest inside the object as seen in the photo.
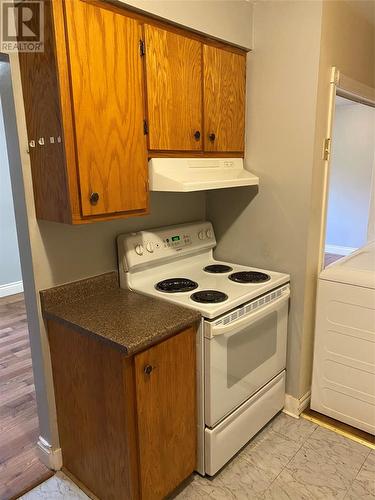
(166, 407)
(224, 99)
(107, 91)
(174, 90)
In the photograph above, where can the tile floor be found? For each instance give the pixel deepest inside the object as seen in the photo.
(58, 487)
(289, 460)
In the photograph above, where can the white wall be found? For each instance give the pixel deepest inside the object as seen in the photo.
(371, 219)
(10, 268)
(66, 253)
(351, 174)
(223, 19)
(269, 229)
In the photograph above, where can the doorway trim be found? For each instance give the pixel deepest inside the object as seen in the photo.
(344, 86)
(355, 91)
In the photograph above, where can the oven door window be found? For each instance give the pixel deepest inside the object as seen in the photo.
(250, 348)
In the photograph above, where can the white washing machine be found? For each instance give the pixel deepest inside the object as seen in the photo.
(343, 385)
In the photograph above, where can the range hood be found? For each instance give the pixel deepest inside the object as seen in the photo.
(198, 174)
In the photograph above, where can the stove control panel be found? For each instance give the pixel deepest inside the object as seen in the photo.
(177, 241)
(149, 247)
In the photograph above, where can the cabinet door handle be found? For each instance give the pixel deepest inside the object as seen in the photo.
(212, 137)
(147, 369)
(94, 198)
(197, 135)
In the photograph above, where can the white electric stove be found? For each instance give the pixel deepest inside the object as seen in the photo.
(241, 344)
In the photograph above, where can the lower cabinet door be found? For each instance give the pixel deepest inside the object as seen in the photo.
(166, 411)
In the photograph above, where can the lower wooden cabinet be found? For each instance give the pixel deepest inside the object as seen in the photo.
(127, 426)
(166, 414)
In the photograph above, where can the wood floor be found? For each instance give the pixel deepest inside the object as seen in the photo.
(329, 258)
(20, 468)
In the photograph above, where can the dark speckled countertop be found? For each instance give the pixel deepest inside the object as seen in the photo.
(127, 320)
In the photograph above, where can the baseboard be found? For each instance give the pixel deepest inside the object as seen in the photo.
(294, 406)
(11, 288)
(51, 458)
(337, 249)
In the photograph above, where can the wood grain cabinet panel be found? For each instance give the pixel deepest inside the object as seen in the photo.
(97, 425)
(84, 104)
(174, 90)
(106, 79)
(87, 96)
(43, 120)
(224, 99)
(166, 414)
(127, 425)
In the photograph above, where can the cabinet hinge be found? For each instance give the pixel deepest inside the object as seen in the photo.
(327, 149)
(145, 127)
(142, 48)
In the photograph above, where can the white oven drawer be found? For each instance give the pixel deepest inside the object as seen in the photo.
(243, 355)
(228, 437)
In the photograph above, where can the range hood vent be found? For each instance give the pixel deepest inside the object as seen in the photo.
(198, 174)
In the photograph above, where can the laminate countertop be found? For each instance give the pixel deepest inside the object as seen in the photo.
(127, 320)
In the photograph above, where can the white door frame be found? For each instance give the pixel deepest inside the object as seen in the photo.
(343, 86)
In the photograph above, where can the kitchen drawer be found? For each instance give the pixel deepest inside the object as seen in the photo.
(229, 436)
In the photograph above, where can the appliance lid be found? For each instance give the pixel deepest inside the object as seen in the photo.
(198, 174)
(357, 268)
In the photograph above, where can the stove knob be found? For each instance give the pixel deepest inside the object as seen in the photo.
(139, 249)
(209, 233)
(201, 235)
(150, 247)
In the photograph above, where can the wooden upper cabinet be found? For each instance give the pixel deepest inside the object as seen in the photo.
(224, 99)
(88, 93)
(107, 95)
(174, 90)
(84, 107)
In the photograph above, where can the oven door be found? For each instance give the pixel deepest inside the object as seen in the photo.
(244, 350)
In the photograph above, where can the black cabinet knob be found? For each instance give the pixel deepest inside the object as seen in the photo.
(94, 198)
(147, 369)
(197, 135)
(212, 137)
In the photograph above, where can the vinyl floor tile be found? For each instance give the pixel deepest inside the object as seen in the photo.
(58, 487)
(204, 487)
(294, 485)
(366, 476)
(289, 459)
(349, 456)
(296, 429)
(358, 492)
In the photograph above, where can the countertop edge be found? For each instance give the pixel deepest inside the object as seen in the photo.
(156, 339)
(49, 316)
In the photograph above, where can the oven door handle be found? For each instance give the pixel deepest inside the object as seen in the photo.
(250, 318)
